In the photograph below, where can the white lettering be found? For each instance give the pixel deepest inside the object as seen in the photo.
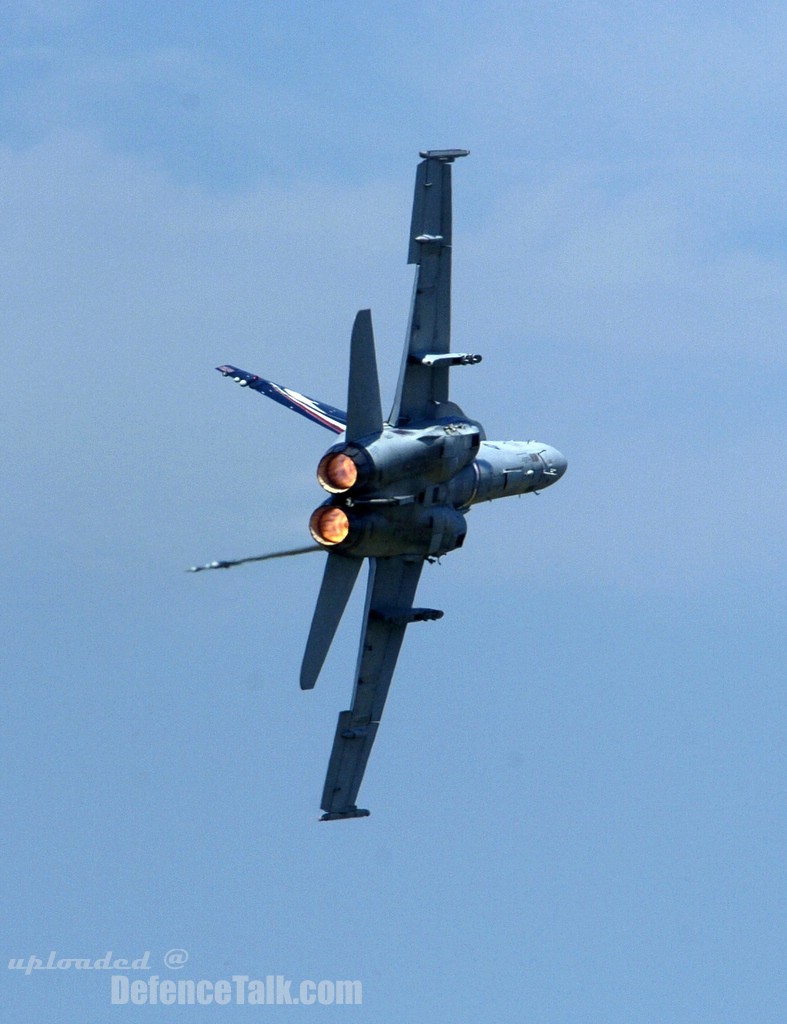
(119, 989)
(353, 989)
(79, 963)
(186, 992)
(283, 996)
(256, 992)
(138, 992)
(222, 992)
(325, 993)
(166, 992)
(240, 981)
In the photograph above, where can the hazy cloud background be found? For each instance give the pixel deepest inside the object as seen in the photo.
(578, 793)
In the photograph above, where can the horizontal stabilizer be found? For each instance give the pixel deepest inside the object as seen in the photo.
(337, 584)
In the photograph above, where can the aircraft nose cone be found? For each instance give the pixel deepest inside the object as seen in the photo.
(556, 464)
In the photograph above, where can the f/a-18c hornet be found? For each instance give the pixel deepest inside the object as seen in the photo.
(398, 488)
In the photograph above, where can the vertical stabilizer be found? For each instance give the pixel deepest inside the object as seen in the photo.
(364, 412)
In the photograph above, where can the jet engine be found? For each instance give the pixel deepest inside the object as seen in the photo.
(399, 459)
(385, 532)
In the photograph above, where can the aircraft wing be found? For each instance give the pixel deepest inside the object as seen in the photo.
(423, 380)
(319, 412)
(389, 608)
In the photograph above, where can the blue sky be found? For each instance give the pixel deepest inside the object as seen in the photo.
(577, 792)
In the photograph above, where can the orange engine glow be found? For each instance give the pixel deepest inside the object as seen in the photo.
(329, 526)
(339, 473)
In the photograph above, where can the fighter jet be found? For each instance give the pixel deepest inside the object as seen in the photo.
(399, 488)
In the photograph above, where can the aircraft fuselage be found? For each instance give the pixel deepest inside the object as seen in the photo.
(405, 491)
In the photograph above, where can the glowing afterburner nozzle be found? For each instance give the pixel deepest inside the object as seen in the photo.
(337, 473)
(329, 525)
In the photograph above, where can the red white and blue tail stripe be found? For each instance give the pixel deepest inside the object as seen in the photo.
(326, 415)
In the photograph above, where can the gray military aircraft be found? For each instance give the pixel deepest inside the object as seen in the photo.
(399, 488)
